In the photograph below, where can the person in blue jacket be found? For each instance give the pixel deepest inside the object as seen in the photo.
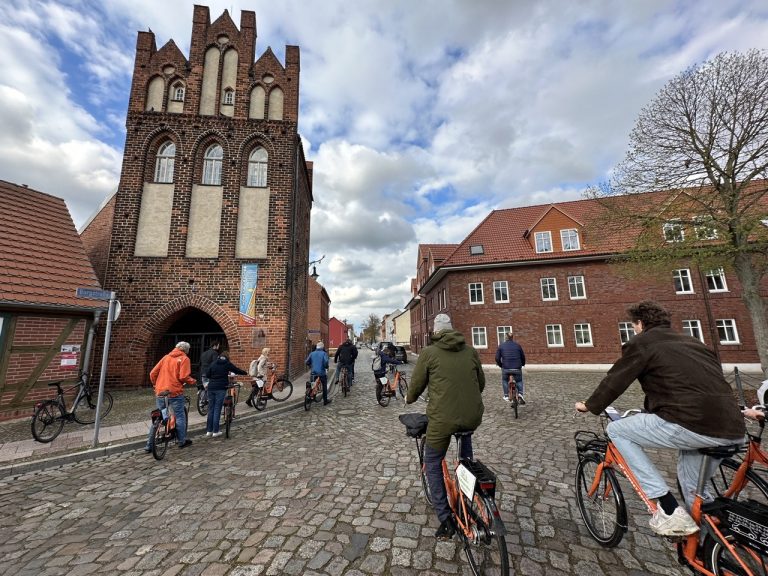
(218, 382)
(511, 359)
(318, 364)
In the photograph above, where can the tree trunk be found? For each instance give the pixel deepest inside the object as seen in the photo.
(750, 294)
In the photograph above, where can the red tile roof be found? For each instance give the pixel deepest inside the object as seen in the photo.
(42, 260)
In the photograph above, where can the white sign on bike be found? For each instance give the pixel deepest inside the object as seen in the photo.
(467, 481)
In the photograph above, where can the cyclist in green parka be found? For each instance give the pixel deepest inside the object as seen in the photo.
(453, 372)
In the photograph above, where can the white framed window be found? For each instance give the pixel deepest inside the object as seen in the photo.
(257, 168)
(693, 328)
(476, 293)
(705, 228)
(673, 232)
(625, 332)
(445, 299)
(583, 334)
(500, 291)
(543, 242)
(178, 92)
(683, 284)
(501, 333)
(229, 96)
(164, 162)
(570, 239)
(554, 335)
(576, 287)
(716, 280)
(726, 331)
(212, 162)
(548, 289)
(479, 337)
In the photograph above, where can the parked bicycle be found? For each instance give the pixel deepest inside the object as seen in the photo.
(731, 540)
(49, 416)
(314, 393)
(202, 400)
(471, 489)
(230, 402)
(164, 426)
(387, 388)
(272, 387)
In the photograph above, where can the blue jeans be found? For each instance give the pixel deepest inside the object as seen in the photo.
(433, 461)
(215, 404)
(517, 374)
(176, 404)
(630, 435)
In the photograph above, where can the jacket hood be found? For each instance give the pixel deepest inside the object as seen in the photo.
(176, 352)
(449, 339)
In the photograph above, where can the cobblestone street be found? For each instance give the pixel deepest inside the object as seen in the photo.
(331, 491)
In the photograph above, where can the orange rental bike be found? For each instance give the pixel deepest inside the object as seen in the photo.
(389, 387)
(314, 393)
(273, 387)
(733, 537)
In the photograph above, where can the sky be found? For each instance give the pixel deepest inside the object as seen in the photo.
(420, 117)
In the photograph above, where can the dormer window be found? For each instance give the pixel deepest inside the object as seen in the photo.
(229, 97)
(705, 229)
(570, 239)
(543, 242)
(476, 250)
(673, 232)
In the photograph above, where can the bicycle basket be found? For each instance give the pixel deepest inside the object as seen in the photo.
(588, 441)
(746, 520)
(486, 478)
(415, 424)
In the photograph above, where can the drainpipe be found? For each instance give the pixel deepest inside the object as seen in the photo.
(89, 342)
(292, 264)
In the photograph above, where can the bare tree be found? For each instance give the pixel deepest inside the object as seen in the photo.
(703, 140)
(371, 328)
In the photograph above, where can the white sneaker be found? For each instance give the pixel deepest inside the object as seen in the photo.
(216, 434)
(679, 523)
(506, 398)
(208, 434)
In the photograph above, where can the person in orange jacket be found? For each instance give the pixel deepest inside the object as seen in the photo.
(170, 374)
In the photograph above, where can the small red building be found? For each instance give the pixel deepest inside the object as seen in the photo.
(338, 331)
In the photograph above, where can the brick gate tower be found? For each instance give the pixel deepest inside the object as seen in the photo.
(210, 223)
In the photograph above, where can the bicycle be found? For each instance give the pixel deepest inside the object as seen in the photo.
(471, 490)
(389, 388)
(49, 416)
(278, 389)
(202, 400)
(164, 426)
(731, 540)
(515, 398)
(314, 393)
(344, 380)
(230, 401)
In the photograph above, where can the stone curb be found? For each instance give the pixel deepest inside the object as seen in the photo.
(130, 444)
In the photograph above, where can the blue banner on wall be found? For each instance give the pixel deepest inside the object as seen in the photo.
(249, 274)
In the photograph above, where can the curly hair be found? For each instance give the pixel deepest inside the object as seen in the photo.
(651, 314)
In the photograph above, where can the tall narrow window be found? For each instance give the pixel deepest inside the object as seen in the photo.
(479, 339)
(548, 289)
(554, 335)
(164, 162)
(212, 165)
(257, 168)
(683, 283)
(476, 293)
(544, 241)
(178, 92)
(576, 287)
(229, 97)
(500, 291)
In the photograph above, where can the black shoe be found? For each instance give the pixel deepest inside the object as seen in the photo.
(327, 402)
(446, 530)
(249, 403)
(187, 442)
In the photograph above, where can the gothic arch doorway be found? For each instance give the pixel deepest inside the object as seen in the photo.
(194, 326)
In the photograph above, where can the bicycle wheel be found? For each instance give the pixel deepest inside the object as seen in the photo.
(382, 395)
(755, 487)
(343, 381)
(160, 437)
(227, 416)
(47, 421)
(84, 412)
(721, 561)
(260, 400)
(282, 390)
(402, 386)
(487, 555)
(604, 512)
(513, 403)
(423, 473)
(202, 402)
(308, 399)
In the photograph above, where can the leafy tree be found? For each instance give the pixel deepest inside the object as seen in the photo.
(371, 328)
(704, 141)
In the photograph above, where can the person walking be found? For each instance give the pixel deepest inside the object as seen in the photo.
(258, 370)
(454, 375)
(345, 356)
(688, 405)
(218, 382)
(511, 359)
(318, 364)
(170, 374)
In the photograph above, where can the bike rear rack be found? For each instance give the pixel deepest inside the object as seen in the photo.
(486, 478)
(590, 442)
(746, 520)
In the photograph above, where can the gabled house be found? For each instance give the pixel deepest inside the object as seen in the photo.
(543, 273)
(44, 326)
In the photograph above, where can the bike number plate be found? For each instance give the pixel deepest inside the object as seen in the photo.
(384, 380)
(467, 481)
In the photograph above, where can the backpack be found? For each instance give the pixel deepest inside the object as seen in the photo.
(253, 368)
(376, 363)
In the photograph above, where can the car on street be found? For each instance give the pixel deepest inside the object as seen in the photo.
(382, 345)
(401, 354)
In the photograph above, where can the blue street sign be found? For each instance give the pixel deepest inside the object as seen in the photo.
(93, 293)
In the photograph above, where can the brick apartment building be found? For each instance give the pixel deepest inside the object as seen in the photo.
(207, 237)
(540, 272)
(44, 326)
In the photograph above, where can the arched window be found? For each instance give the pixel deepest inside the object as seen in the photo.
(178, 92)
(212, 165)
(257, 168)
(164, 162)
(229, 96)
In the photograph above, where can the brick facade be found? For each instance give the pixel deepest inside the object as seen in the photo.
(318, 303)
(96, 235)
(159, 292)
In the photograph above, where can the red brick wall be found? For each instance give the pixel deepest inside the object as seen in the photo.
(608, 295)
(96, 237)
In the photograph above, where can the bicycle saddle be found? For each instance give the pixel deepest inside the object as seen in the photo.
(164, 394)
(55, 383)
(463, 433)
(722, 451)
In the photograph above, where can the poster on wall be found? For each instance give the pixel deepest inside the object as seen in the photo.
(249, 274)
